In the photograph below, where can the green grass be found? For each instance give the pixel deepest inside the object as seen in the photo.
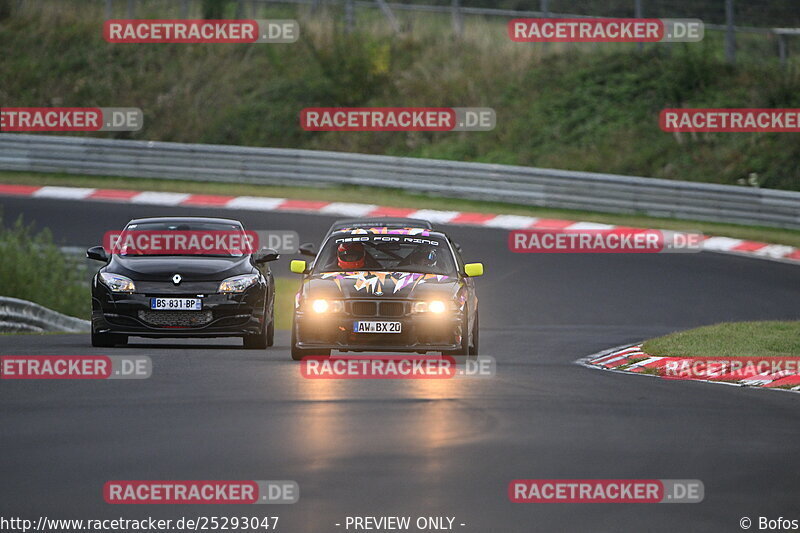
(397, 198)
(731, 339)
(285, 289)
(579, 107)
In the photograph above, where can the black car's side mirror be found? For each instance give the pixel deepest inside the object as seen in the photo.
(308, 249)
(265, 255)
(98, 253)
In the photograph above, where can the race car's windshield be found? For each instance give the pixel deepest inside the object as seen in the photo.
(183, 238)
(392, 253)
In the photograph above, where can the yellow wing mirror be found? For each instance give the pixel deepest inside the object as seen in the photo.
(473, 270)
(298, 267)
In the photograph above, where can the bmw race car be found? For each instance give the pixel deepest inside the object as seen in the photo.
(228, 293)
(386, 286)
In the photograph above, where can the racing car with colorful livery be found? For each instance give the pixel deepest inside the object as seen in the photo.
(386, 286)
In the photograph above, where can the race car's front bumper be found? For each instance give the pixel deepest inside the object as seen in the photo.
(420, 333)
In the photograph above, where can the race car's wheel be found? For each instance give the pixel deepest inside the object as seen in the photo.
(473, 348)
(299, 353)
(107, 340)
(464, 348)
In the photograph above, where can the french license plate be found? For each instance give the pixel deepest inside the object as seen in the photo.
(176, 304)
(365, 326)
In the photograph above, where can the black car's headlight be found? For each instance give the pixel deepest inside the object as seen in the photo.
(238, 283)
(117, 283)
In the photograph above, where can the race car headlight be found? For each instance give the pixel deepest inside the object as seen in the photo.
(237, 283)
(436, 307)
(321, 305)
(117, 283)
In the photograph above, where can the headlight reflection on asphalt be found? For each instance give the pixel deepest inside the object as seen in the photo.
(332, 429)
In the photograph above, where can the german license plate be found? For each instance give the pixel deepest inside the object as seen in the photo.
(366, 326)
(176, 304)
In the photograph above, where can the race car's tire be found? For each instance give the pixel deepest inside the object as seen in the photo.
(107, 340)
(473, 348)
(463, 350)
(299, 353)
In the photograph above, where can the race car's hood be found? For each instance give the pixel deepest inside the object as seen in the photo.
(372, 284)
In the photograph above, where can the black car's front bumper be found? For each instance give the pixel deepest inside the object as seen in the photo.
(222, 315)
(421, 332)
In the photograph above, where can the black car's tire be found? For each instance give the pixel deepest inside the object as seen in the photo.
(263, 339)
(299, 353)
(258, 341)
(107, 340)
(473, 348)
(271, 332)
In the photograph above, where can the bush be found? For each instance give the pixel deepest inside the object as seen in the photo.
(33, 268)
(5, 9)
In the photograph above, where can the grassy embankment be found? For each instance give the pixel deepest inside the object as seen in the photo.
(732, 339)
(581, 107)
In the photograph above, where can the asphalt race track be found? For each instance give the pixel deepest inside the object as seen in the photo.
(428, 447)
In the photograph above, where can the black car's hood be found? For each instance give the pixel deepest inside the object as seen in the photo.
(193, 268)
(371, 284)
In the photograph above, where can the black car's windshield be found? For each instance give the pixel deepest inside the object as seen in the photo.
(183, 238)
(389, 252)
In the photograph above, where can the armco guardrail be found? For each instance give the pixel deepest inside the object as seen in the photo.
(23, 316)
(504, 183)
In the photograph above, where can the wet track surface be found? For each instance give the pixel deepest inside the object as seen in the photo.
(213, 410)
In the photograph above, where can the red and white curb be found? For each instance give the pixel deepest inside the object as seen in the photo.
(774, 252)
(630, 359)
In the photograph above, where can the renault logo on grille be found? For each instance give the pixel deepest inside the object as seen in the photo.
(176, 279)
